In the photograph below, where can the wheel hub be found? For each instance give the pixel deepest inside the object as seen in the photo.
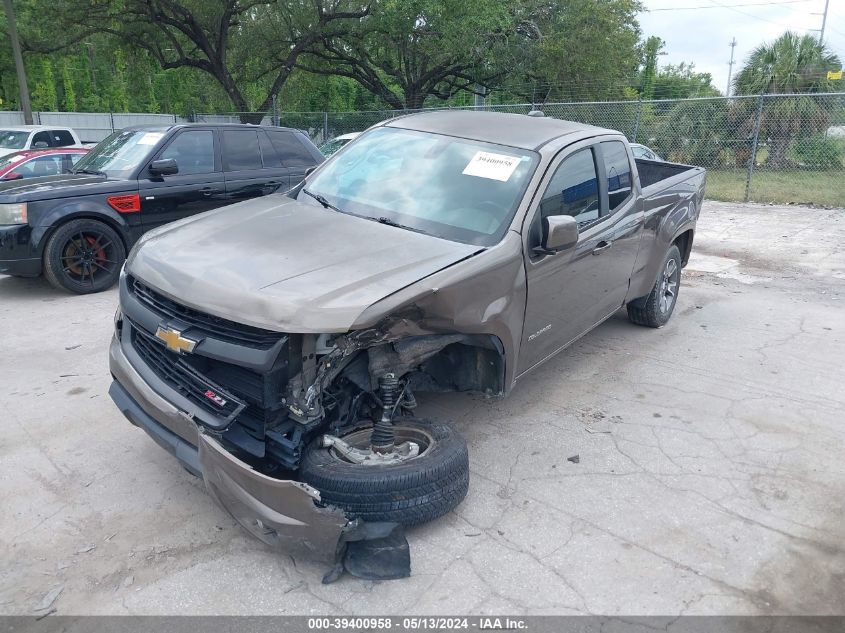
(668, 286)
(86, 254)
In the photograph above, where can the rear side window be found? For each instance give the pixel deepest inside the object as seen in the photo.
(41, 137)
(290, 149)
(268, 152)
(62, 138)
(193, 152)
(240, 150)
(618, 170)
(74, 158)
(573, 189)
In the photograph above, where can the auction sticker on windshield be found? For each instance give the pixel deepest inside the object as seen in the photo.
(492, 166)
(150, 138)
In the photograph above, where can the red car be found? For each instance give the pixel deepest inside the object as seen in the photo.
(40, 162)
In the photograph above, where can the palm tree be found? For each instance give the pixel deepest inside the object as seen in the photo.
(792, 64)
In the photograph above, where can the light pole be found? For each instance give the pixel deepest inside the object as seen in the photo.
(19, 67)
(730, 68)
(824, 21)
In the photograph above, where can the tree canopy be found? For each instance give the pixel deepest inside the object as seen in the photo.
(790, 64)
(186, 56)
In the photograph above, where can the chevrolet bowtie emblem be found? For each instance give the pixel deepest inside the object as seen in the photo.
(174, 340)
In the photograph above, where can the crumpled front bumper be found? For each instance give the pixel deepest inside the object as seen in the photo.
(279, 512)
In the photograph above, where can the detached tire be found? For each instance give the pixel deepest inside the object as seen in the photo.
(83, 256)
(655, 309)
(411, 492)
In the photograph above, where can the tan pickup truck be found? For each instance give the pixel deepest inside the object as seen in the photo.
(277, 346)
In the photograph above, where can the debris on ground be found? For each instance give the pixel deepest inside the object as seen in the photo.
(49, 599)
(575, 459)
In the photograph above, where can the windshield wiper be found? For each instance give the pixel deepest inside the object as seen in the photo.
(326, 204)
(93, 172)
(389, 222)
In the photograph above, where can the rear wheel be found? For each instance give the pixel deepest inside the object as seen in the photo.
(656, 307)
(83, 256)
(410, 491)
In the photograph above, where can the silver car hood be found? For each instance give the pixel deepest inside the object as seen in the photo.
(288, 266)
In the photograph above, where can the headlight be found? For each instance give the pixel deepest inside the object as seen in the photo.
(13, 213)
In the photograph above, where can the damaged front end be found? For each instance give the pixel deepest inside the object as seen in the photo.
(241, 407)
(288, 514)
(283, 513)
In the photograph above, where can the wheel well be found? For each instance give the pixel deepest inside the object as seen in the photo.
(684, 244)
(446, 362)
(87, 216)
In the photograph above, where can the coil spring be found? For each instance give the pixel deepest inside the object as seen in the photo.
(383, 436)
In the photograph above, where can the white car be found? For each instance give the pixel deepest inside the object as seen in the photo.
(641, 151)
(330, 147)
(26, 137)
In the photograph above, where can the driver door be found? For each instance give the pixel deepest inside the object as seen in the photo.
(567, 289)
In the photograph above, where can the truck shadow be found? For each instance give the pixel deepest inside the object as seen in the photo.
(28, 288)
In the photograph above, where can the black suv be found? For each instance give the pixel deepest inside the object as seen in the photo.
(77, 228)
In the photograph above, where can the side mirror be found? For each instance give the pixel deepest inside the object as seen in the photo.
(164, 167)
(310, 170)
(559, 233)
(13, 175)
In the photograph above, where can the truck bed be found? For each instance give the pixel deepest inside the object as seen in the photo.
(655, 175)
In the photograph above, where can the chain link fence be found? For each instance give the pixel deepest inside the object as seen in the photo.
(767, 148)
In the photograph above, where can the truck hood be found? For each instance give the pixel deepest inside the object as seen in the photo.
(61, 186)
(288, 266)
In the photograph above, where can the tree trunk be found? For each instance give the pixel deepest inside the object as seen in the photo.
(414, 98)
(777, 153)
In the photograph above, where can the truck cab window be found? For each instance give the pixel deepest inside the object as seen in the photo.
(573, 189)
(618, 170)
(62, 138)
(40, 137)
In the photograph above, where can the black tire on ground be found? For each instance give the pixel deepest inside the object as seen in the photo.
(656, 307)
(412, 492)
(83, 256)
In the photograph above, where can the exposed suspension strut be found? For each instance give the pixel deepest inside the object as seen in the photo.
(383, 438)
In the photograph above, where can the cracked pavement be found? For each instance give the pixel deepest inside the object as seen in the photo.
(709, 477)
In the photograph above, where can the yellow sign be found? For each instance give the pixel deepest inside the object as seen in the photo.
(832, 76)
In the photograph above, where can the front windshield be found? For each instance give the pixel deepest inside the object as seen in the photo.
(457, 189)
(10, 160)
(332, 146)
(13, 139)
(120, 153)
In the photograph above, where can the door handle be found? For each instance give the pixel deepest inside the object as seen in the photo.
(601, 247)
(207, 191)
(272, 183)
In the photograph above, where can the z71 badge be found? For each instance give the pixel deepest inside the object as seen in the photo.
(220, 402)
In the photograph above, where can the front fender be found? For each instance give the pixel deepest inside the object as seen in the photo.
(483, 295)
(47, 222)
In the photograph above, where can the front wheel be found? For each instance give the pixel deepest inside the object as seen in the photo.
(411, 491)
(83, 256)
(656, 307)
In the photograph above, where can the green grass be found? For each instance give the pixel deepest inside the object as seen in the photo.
(783, 186)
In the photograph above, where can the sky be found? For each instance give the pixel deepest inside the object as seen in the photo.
(703, 35)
